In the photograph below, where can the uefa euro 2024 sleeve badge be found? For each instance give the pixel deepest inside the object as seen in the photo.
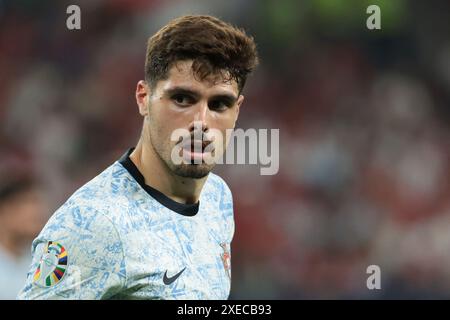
(226, 259)
(52, 266)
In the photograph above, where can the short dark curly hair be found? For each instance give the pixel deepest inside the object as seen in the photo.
(216, 48)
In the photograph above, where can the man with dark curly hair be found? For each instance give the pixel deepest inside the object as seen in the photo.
(157, 224)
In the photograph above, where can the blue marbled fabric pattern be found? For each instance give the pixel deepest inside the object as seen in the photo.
(120, 242)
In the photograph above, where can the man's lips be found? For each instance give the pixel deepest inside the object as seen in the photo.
(196, 146)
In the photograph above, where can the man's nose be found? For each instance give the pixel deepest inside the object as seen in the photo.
(201, 118)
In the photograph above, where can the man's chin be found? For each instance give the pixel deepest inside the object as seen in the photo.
(193, 171)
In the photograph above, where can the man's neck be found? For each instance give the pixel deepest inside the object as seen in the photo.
(160, 177)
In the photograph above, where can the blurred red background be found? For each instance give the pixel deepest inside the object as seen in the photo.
(364, 136)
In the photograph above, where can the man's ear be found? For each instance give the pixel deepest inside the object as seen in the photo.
(238, 107)
(142, 95)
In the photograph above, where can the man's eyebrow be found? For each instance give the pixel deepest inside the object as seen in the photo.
(182, 90)
(230, 98)
(220, 96)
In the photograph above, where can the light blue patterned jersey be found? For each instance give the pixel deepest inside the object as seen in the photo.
(116, 238)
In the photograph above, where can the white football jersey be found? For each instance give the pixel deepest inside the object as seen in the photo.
(118, 238)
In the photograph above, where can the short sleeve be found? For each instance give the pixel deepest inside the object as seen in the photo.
(78, 255)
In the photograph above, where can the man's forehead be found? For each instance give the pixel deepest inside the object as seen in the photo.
(181, 74)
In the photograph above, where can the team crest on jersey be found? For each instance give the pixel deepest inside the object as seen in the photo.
(226, 259)
(52, 266)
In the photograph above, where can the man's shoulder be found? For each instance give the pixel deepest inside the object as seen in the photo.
(103, 196)
(91, 211)
(218, 202)
(218, 184)
(107, 188)
(218, 194)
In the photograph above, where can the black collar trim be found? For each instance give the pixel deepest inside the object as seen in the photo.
(181, 208)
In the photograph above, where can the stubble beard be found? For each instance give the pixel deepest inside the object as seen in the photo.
(194, 171)
(185, 170)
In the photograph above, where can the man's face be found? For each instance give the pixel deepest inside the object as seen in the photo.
(182, 101)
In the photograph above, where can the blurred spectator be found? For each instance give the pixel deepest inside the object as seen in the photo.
(22, 214)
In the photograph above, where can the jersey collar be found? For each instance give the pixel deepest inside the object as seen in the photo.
(181, 208)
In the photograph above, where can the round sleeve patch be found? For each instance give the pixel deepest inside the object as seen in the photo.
(52, 266)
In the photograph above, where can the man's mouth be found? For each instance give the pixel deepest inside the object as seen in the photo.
(196, 146)
(195, 150)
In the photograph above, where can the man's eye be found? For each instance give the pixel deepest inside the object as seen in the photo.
(219, 105)
(182, 99)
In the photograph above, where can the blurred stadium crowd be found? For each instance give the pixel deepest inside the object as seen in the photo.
(364, 136)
